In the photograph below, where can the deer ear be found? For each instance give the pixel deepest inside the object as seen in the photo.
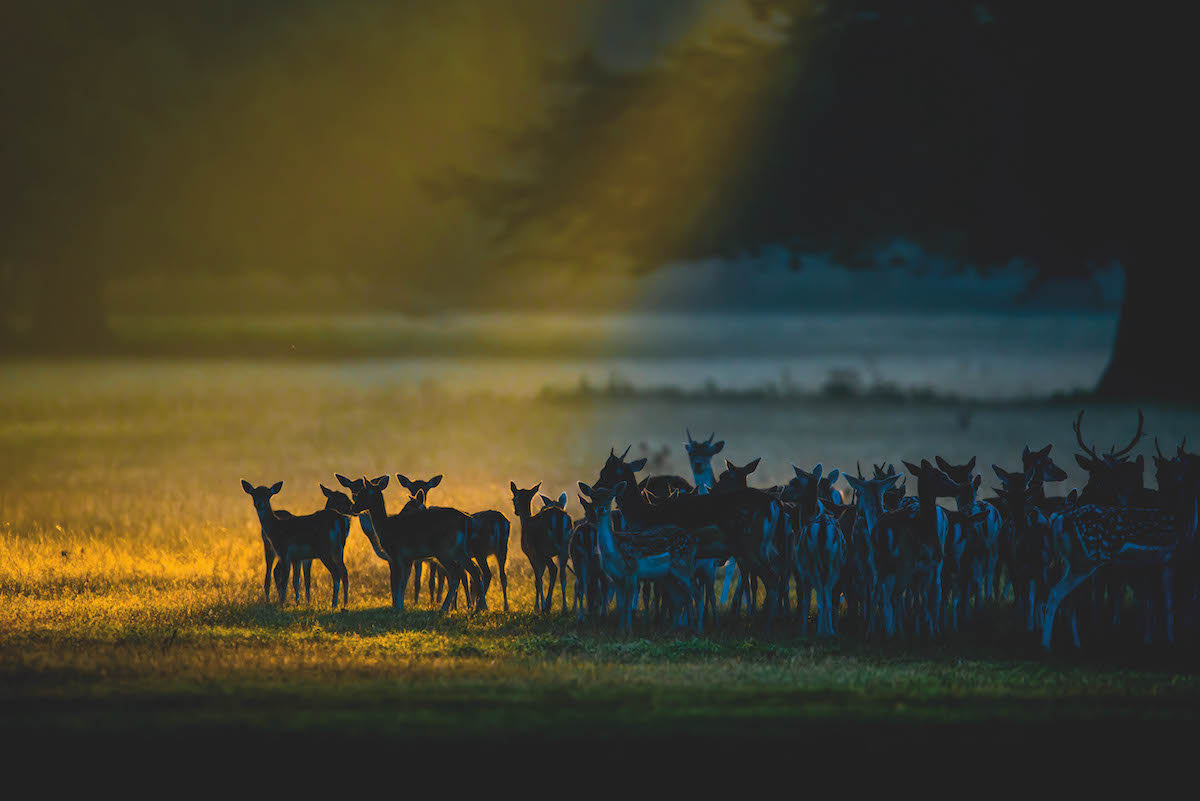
(513, 485)
(1073, 496)
(942, 463)
(1025, 453)
(404, 482)
(855, 484)
(546, 501)
(246, 486)
(971, 464)
(617, 490)
(585, 489)
(912, 468)
(637, 464)
(833, 475)
(975, 482)
(345, 482)
(382, 482)
(718, 447)
(890, 481)
(1046, 450)
(420, 497)
(433, 482)
(1086, 463)
(728, 466)
(1000, 474)
(562, 500)
(328, 492)
(537, 487)
(276, 488)
(799, 472)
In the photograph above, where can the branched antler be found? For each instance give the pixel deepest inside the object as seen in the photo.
(1137, 436)
(1079, 437)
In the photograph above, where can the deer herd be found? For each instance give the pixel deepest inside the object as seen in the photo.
(897, 562)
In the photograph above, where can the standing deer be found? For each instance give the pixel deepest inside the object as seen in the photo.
(972, 554)
(741, 523)
(544, 537)
(269, 555)
(321, 535)
(819, 554)
(420, 533)
(909, 544)
(592, 586)
(663, 553)
(1089, 537)
(871, 507)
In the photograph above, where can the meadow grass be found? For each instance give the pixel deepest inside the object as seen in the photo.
(131, 573)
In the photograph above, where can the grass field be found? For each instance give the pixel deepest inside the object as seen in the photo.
(131, 574)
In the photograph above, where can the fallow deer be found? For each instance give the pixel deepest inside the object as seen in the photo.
(1026, 541)
(973, 555)
(321, 535)
(544, 537)
(269, 555)
(737, 524)
(1089, 537)
(663, 553)
(420, 533)
(871, 506)
(908, 546)
(819, 554)
(437, 576)
(592, 586)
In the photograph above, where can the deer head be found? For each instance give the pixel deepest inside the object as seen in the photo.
(560, 503)
(414, 486)
(1112, 477)
(734, 477)
(700, 454)
(521, 498)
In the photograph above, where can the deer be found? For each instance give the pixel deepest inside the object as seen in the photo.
(321, 535)
(1089, 537)
(420, 532)
(1114, 479)
(908, 547)
(437, 576)
(739, 523)
(805, 497)
(819, 554)
(973, 555)
(1026, 540)
(592, 586)
(269, 555)
(488, 536)
(544, 537)
(871, 494)
(663, 553)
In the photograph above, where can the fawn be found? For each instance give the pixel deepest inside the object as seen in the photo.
(416, 533)
(321, 535)
(544, 537)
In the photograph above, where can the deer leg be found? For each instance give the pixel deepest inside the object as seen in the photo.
(307, 564)
(416, 583)
(730, 570)
(269, 554)
(455, 572)
(501, 558)
(552, 568)
(281, 577)
(1072, 579)
(295, 566)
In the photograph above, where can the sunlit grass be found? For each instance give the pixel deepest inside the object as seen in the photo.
(131, 571)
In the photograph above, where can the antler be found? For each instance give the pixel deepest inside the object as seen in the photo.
(1137, 436)
(626, 453)
(1182, 445)
(1079, 437)
(710, 438)
(1158, 450)
(689, 435)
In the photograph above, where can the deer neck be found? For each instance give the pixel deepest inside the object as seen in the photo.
(704, 479)
(632, 505)
(606, 540)
(377, 517)
(266, 516)
(927, 510)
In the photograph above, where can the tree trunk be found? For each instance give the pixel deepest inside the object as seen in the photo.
(69, 313)
(1151, 358)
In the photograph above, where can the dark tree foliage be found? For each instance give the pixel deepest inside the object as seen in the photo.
(1011, 129)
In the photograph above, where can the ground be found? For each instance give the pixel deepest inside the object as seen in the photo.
(131, 576)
